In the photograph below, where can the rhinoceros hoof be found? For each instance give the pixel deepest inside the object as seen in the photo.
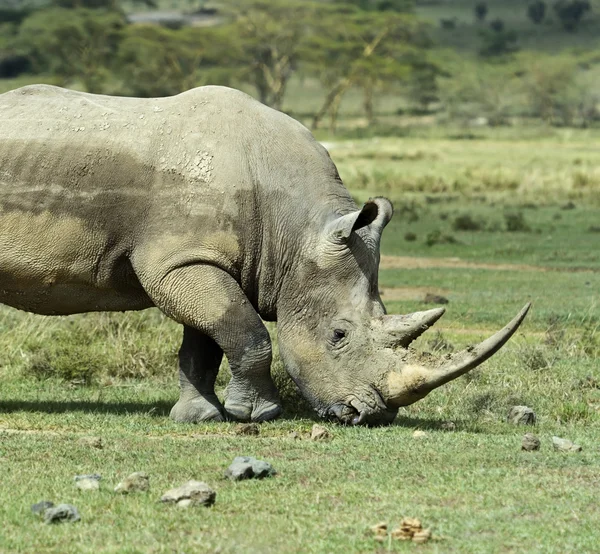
(197, 410)
(262, 411)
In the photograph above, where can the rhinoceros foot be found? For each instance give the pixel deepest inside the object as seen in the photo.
(195, 410)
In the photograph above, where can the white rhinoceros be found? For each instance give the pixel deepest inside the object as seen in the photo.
(223, 213)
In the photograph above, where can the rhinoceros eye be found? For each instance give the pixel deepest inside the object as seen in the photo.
(338, 335)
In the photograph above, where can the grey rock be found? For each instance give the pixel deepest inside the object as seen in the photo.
(530, 442)
(521, 415)
(191, 493)
(40, 507)
(62, 513)
(88, 482)
(448, 426)
(565, 445)
(247, 467)
(136, 482)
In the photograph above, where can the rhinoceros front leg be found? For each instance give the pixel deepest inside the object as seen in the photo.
(199, 361)
(209, 300)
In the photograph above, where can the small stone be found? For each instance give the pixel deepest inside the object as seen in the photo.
(521, 415)
(61, 513)
(191, 493)
(249, 429)
(294, 435)
(565, 445)
(418, 434)
(136, 482)
(319, 433)
(239, 471)
(40, 507)
(530, 442)
(88, 482)
(448, 426)
(246, 467)
(92, 442)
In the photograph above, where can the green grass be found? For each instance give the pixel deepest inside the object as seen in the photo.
(114, 376)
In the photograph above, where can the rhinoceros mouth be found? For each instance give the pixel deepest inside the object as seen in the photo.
(356, 411)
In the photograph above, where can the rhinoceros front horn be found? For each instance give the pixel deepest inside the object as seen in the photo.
(414, 382)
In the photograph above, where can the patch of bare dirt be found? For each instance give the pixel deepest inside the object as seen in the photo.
(409, 293)
(413, 262)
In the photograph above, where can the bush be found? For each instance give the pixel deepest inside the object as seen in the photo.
(536, 11)
(497, 41)
(570, 12)
(515, 223)
(465, 222)
(481, 11)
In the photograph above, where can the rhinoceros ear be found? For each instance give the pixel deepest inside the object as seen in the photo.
(376, 212)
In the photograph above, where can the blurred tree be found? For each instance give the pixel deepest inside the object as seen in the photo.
(155, 61)
(536, 11)
(72, 43)
(364, 49)
(570, 12)
(99, 4)
(481, 10)
(267, 38)
(497, 41)
(381, 5)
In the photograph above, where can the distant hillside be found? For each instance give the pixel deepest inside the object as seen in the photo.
(549, 36)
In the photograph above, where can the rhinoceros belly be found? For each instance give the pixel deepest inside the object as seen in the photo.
(59, 265)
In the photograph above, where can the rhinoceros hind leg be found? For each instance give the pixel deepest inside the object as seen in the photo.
(199, 361)
(209, 300)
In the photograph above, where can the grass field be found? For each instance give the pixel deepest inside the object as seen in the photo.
(114, 376)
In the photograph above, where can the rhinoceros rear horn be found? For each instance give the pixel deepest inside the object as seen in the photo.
(376, 212)
(413, 382)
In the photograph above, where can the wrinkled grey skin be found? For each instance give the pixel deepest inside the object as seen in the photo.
(222, 213)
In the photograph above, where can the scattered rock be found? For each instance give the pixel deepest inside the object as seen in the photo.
(294, 435)
(521, 415)
(40, 507)
(88, 482)
(246, 467)
(380, 530)
(418, 434)
(435, 299)
(411, 529)
(61, 513)
(565, 445)
(92, 442)
(448, 426)
(249, 429)
(530, 442)
(192, 493)
(319, 433)
(136, 482)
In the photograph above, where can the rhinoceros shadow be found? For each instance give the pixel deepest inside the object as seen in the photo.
(155, 409)
(161, 409)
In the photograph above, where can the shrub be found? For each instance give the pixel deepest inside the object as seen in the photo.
(515, 223)
(481, 11)
(465, 222)
(536, 11)
(437, 237)
(570, 12)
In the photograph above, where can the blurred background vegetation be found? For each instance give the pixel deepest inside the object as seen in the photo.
(339, 65)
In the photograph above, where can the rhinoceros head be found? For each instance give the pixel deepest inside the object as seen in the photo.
(349, 358)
